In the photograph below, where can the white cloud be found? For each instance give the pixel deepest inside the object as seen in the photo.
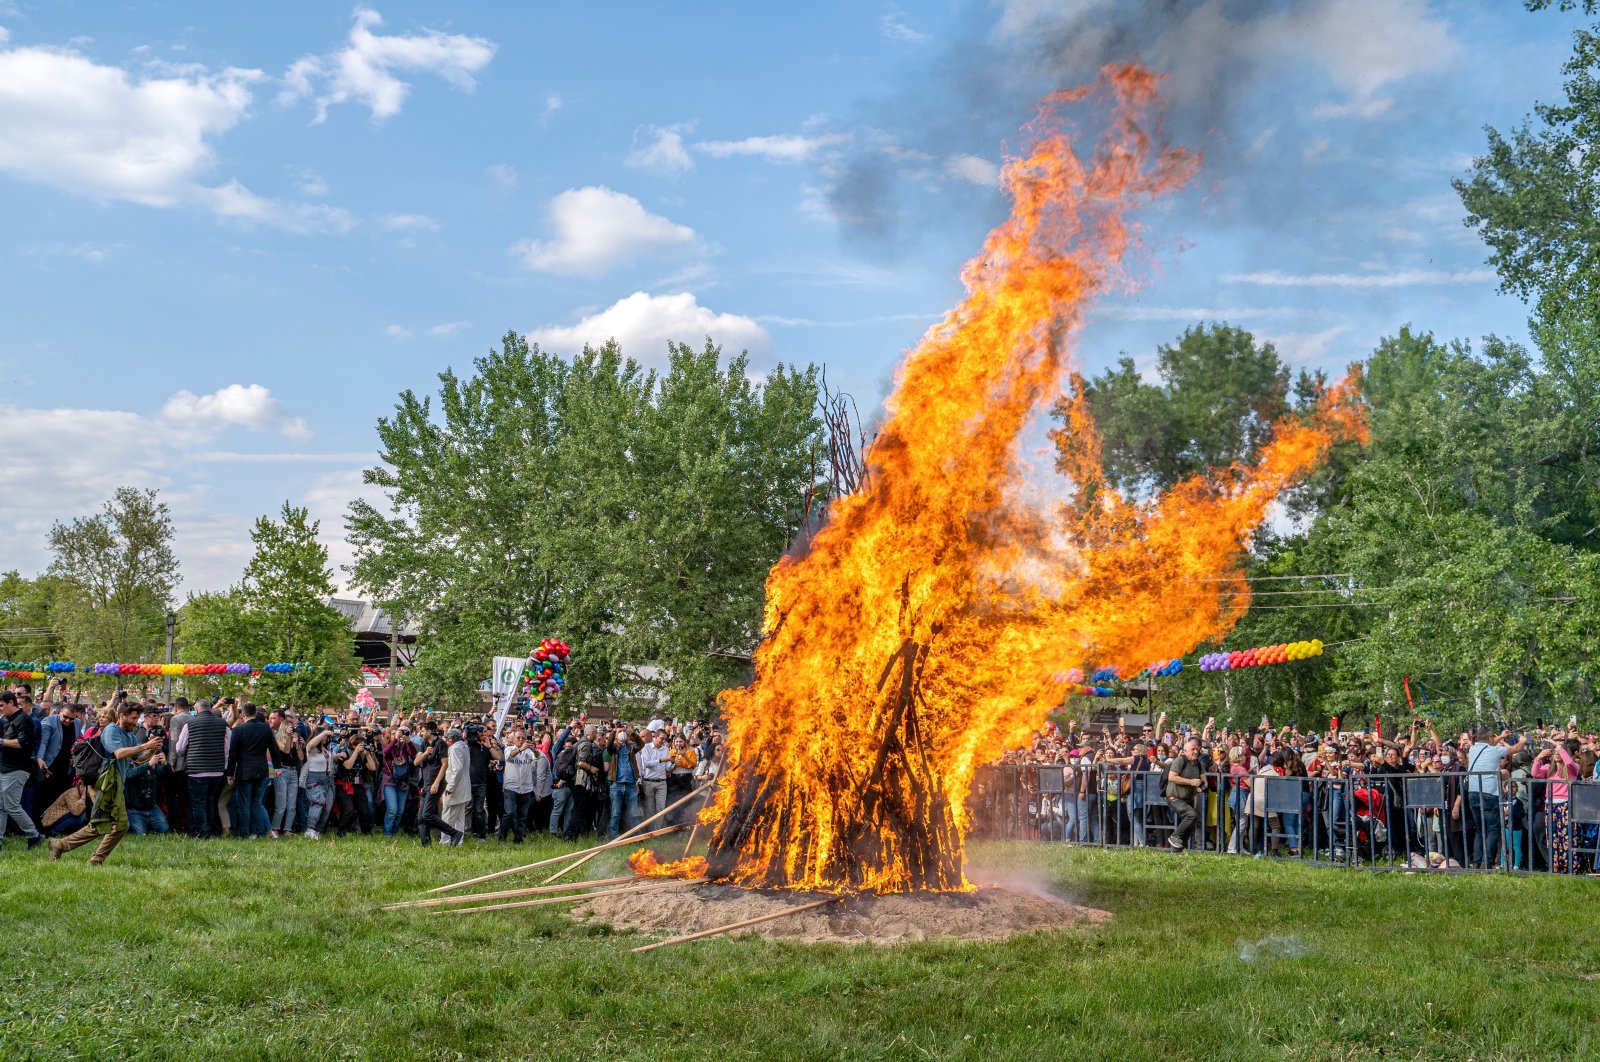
(662, 150)
(643, 324)
(363, 70)
(395, 331)
(448, 328)
(1368, 108)
(595, 229)
(1306, 348)
(1194, 313)
(552, 103)
(503, 176)
(410, 221)
(1364, 44)
(234, 200)
(311, 183)
(892, 24)
(974, 170)
(68, 121)
(236, 405)
(98, 131)
(5, 35)
(1400, 279)
(786, 147)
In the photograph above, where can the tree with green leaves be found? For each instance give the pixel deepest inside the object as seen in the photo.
(117, 574)
(277, 614)
(27, 626)
(1217, 394)
(632, 513)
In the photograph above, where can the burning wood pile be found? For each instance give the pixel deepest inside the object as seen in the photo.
(932, 618)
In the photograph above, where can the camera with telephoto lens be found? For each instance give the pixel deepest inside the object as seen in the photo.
(474, 731)
(157, 731)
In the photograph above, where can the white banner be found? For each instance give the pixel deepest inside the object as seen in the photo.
(505, 679)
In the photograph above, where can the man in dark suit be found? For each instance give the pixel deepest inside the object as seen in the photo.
(248, 768)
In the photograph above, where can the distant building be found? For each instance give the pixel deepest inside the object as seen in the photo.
(375, 640)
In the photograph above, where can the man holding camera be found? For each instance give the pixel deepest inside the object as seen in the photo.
(519, 784)
(622, 771)
(109, 824)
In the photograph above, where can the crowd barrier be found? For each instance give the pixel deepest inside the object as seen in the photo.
(1444, 822)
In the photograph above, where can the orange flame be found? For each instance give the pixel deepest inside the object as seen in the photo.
(644, 864)
(932, 621)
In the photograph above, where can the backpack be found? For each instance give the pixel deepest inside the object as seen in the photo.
(89, 759)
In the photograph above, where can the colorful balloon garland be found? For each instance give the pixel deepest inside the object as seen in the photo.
(11, 669)
(1261, 656)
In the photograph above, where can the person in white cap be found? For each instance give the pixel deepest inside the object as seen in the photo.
(654, 761)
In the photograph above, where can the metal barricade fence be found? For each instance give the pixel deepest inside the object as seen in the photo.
(1445, 821)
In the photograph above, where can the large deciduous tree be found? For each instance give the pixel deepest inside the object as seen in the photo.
(118, 573)
(278, 613)
(632, 513)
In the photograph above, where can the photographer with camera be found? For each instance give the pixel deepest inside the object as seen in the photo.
(522, 763)
(317, 779)
(109, 824)
(349, 780)
(397, 754)
(430, 763)
(622, 771)
(288, 753)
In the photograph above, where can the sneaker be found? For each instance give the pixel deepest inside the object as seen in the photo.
(35, 841)
(1173, 844)
(311, 835)
(272, 835)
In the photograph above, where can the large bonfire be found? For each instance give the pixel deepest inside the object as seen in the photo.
(932, 620)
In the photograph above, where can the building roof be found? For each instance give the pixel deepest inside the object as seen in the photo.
(366, 618)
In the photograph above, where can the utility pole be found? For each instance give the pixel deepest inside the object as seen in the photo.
(166, 683)
(394, 634)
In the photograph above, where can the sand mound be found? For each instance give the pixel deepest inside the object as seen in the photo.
(987, 914)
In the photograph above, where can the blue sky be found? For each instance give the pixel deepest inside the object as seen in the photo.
(233, 233)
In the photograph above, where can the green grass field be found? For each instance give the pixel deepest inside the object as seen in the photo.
(277, 950)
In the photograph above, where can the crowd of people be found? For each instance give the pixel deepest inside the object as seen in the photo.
(72, 774)
(1500, 798)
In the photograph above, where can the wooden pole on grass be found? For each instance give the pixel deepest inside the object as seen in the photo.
(443, 901)
(577, 897)
(738, 925)
(551, 860)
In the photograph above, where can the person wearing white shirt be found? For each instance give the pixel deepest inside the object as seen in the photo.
(655, 759)
(518, 784)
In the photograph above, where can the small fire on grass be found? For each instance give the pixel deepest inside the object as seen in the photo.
(645, 865)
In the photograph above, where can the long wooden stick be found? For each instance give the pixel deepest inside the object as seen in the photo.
(577, 897)
(548, 862)
(623, 837)
(443, 901)
(739, 925)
